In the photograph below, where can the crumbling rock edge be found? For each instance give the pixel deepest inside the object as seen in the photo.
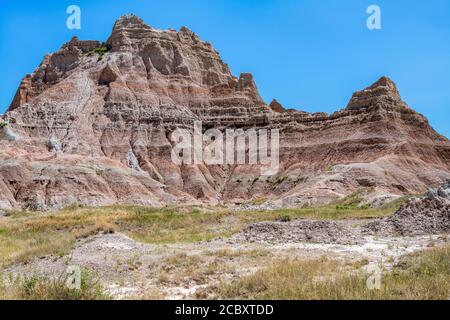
(418, 216)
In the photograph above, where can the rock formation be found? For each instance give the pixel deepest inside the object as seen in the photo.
(418, 216)
(93, 125)
(276, 106)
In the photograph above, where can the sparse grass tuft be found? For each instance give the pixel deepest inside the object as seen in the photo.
(46, 288)
(27, 235)
(259, 201)
(353, 200)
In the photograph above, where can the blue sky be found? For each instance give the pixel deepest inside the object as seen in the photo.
(309, 54)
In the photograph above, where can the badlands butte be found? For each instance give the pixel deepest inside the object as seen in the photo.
(92, 126)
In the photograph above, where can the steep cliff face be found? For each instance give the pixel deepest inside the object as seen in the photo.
(93, 126)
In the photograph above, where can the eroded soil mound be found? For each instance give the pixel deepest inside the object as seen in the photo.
(419, 216)
(312, 231)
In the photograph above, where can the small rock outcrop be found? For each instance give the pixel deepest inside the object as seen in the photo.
(276, 106)
(7, 133)
(382, 92)
(443, 192)
(53, 145)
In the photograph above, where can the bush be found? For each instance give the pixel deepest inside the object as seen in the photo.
(100, 51)
(3, 124)
(285, 218)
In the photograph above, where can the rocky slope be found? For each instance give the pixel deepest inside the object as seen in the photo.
(418, 216)
(92, 125)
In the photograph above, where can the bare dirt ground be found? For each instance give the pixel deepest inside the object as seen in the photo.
(129, 269)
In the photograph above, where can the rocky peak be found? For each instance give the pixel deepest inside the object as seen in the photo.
(385, 84)
(127, 32)
(131, 33)
(247, 85)
(276, 106)
(168, 55)
(129, 21)
(382, 92)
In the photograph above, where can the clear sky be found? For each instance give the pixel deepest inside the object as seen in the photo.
(308, 54)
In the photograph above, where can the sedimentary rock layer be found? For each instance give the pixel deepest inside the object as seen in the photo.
(92, 125)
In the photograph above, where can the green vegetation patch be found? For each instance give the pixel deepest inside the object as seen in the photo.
(101, 51)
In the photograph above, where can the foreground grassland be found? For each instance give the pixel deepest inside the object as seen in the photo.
(423, 275)
(24, 235)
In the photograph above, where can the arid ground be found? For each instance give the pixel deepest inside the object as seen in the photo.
(210, 252)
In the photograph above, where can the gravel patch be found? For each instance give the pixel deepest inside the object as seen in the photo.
(312, 231)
